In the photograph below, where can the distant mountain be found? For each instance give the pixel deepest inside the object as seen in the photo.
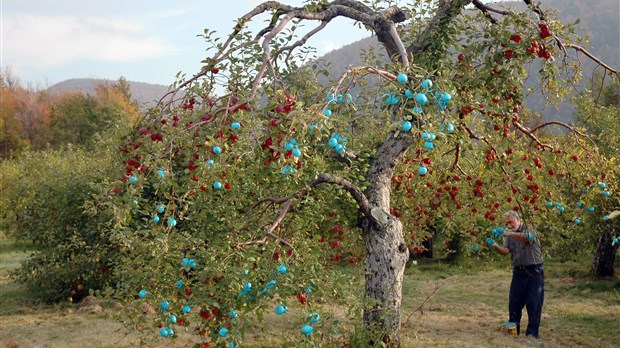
(146, 94)
(598, 19)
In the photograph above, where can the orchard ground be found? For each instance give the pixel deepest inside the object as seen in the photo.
(461, 305)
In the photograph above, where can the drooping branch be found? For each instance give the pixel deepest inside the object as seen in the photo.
(531, 135)
(558, 123)
(287, 201)
(593, 57)
(363, 69)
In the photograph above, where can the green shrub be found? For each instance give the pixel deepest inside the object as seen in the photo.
(43, 200)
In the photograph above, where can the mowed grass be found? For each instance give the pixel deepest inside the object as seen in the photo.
(443, 306)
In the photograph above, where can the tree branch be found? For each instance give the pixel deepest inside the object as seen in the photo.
(593, 57)
(531, 135)
(323, 178)
(485, 11)
(448, 10)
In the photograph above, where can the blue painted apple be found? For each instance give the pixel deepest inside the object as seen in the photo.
(160, 208)
(282, 269)
(296, 152)
(217, 185)
(210, 163)
(307, 329)
(402, 78)
(142, 293)
(406, 126)
(327, 113)
(550, 204)
(614, 241)
(590, 209)
(271, 284)
(223, 332)
(172, 319)
(185, 261)
(170, 332)
(289, 146)
(580, 204)
(429, 145)
(315, 317)
(421, 99)
(422, 170)
(132, 179)
(349, 97)
(339, 147)
(186, 309)
(409, 94)
(135, 201)
(281, 310)
(426, 84)
(172, 222)
(561, 209)
(217, 150)
(233, 314)
(602, 185)
(179, 284)
(161, 172)
(577, 221)
(156, 218)
(333, 142)
(445, 97)
(417, 110)
(163, 332)
(606, 217)
(164, 305)
(235, 125)
(606, 193)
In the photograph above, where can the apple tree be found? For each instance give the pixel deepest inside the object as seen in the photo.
(251, 181)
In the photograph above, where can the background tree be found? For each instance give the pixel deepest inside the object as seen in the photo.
(598, 113)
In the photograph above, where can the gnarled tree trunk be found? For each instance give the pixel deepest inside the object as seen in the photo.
(386, 250)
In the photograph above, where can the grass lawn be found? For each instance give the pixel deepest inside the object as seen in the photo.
(443, 306)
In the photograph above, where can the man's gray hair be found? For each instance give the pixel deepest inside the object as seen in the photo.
(512, 213)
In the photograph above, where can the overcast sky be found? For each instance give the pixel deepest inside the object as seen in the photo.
(48, 41)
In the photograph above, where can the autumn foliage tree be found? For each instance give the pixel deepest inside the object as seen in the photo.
(243, 184)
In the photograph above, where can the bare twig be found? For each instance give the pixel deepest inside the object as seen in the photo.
(419, 309)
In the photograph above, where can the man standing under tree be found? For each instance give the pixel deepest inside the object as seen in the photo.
(528, 277)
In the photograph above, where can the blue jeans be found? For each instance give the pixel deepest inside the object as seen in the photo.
(527, 289)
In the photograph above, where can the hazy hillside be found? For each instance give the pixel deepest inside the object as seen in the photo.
(599, 20)
(146, 94)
